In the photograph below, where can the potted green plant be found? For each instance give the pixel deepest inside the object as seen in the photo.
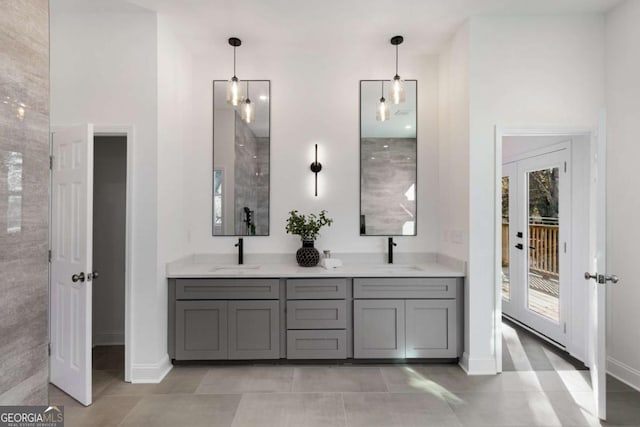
(308, 228)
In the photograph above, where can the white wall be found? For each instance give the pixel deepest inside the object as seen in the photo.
(314, 99)
(523, 72)
(453, 145)
(623, 199)
(453, 153)
(175, 111)
(128, 69)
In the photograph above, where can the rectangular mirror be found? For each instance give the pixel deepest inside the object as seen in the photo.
(241, 161)
(388, 161)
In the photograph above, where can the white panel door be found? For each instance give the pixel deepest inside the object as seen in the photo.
(71, 246)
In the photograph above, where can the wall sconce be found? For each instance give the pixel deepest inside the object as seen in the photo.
(316, 167)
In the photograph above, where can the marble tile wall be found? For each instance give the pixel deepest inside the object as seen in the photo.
(24, 201)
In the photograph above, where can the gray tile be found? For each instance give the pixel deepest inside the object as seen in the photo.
(290, 410)
(183, 410)
(24, 79)
(623, 408)
(246, 379)
(614, 384)
(121, 388)
(103, 379)
(574, 408)
(105, 411)
(505, 409)
(338, 379)
(441, 380)
(397, 410)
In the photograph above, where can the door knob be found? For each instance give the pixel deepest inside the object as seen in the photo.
(602, 278)
(93, 275)
(519, 246)
(77, 278)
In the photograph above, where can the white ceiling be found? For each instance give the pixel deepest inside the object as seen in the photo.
(310, 24)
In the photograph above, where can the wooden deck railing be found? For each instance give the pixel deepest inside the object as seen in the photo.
(544, 258)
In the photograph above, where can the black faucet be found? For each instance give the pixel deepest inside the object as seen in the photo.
(390, 251)
(240, 247)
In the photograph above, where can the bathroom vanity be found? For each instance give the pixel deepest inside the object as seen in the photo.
(282, 311)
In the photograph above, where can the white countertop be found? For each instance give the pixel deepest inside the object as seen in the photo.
(210, 267)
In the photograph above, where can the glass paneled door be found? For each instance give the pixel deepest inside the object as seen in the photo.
(536, 200)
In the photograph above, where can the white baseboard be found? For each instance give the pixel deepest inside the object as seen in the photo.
(623, 372)
(474, 366)
(108, 338)
(151, 373)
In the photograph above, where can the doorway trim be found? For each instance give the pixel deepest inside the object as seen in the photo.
(129, 133)
(500, 133)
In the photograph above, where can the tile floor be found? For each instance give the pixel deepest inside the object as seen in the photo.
(541, 388)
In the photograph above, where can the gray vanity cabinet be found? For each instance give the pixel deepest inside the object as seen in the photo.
(218, 319)
(421, 321)
(378, 329)
(202, 330)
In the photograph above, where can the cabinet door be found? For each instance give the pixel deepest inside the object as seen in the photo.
(254, 330)
(201, 330)
(431, 328)
(378, 329)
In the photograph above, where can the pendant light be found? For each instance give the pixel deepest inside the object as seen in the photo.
(247, 108)
(382, 112)
(234, 93)
(396, 91)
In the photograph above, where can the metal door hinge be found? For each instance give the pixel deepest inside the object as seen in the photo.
(565, 327)
(565, 247)
(51, 162)
(49, 349)
(49, 255)
(565, 167)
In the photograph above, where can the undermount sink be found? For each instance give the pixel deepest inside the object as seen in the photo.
(238, 268)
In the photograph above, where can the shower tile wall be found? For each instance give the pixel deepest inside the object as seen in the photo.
(251, 181)
(388, 174)
(24, 199)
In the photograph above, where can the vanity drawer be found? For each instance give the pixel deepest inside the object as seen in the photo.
(316, 314)
(316, 288)
(316, 344)
(237, 289)
(405, 287)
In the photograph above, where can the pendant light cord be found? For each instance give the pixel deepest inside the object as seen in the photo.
(247, 90)
(396, 60)
(234, 62)
(382, 88)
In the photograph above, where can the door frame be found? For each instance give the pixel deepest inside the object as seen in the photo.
(500, 133)
(127, 131)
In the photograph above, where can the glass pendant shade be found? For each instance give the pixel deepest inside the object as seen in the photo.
(234, 92)
(382, 112)
(248, 112)
(396, 91)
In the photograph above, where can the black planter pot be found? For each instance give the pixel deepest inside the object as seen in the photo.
(307, 255)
